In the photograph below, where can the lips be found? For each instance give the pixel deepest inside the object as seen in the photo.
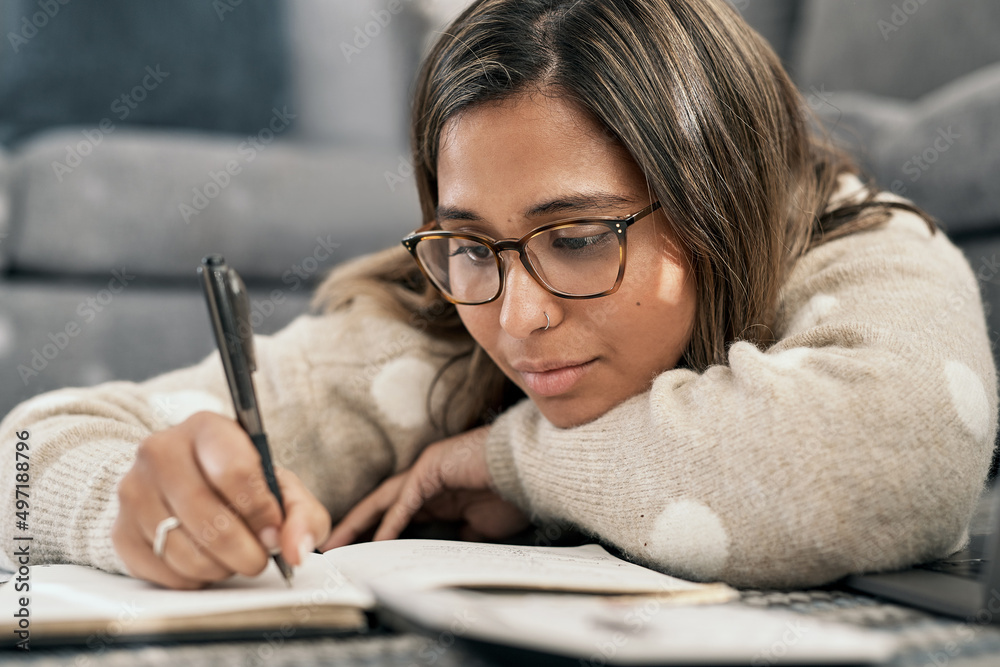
(552, 378)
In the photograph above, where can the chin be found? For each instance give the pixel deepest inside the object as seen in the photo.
(566, 415)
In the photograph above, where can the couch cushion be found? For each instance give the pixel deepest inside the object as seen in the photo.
(776, 20)
(159, 201)
(85, 334)
(884, 46)
(220, 65)
(353, 68)
(4, 207)
(943, 151)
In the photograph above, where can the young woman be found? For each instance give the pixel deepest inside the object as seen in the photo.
(648, 304)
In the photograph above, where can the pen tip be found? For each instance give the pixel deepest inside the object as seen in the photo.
(285, 569)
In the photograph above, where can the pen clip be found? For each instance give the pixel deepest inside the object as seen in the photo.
(241, 313)
(227, 301)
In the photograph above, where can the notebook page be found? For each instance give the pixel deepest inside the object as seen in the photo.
(75, 592)
(428, 564)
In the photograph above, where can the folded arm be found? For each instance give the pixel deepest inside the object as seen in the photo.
(859, 441)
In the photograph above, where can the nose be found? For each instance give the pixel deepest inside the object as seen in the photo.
(524, 302)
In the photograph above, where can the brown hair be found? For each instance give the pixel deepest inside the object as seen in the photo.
(703, 106)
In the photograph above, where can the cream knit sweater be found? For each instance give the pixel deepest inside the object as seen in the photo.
(860, 441)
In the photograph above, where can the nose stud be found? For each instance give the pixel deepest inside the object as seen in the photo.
(546, 321)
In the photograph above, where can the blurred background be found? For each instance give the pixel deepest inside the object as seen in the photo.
(136, 138)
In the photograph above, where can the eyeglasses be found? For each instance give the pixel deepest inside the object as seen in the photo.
(580, 258)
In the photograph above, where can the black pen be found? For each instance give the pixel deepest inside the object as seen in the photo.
(229, 310)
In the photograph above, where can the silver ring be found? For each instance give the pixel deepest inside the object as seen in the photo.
(546, 321)
(162, 529)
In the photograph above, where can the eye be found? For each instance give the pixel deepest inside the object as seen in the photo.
(471, 251)
(577, 242)
(581, 239)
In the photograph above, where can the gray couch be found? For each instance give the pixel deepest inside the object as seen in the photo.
(912, 88)
(136, 140)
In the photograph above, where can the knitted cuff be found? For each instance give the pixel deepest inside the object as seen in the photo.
(81, 504)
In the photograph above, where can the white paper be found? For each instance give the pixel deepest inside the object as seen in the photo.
(646, 630)
(75, 592)
(429, 564)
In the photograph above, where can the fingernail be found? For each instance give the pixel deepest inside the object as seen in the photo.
(269, 538)
(306, 547)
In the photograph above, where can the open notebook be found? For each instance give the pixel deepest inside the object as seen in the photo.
(331, 592)
(580, 602)
(77, 604)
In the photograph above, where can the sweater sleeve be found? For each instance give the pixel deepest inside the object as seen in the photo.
(343, 399)
(859, 441)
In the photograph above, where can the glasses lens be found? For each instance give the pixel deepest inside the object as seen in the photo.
(581, 259)
(465, 270)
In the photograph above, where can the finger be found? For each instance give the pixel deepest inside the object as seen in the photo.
(141, 513)
(449, 505)
(181, 553)
(232, 465)
(131, 544)
(217, 528)
(133, 549)
(467, 533)
(307, 523)
(494, 518)
(422, 483)
(365, 515)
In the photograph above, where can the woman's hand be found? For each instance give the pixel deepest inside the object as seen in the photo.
(448, 481)
(207, 473)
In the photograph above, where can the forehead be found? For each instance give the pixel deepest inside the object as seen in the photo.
(527, 148)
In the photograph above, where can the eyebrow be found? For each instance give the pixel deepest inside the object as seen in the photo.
(570, 203)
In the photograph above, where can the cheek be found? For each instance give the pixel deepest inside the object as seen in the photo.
(482, 323)
(666, 291)
(672, 279)
(674, 286)
(606, 316)
(676, 293)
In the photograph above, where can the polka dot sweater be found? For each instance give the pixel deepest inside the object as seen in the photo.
(859, 441)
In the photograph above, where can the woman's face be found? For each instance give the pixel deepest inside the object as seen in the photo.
(505, 169)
